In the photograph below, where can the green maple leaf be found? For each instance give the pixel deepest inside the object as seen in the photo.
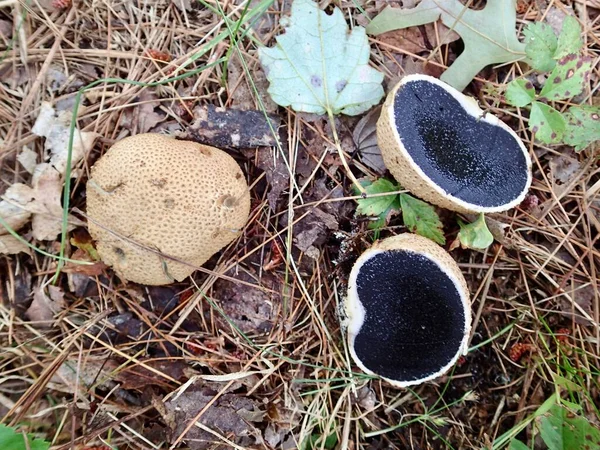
(10, 439)
(583, 126)
(568, 77)
(475, 235)
(520, 92)
(540, 46)
(318, 66)
(489, 35)
(421, 218)
(547, 123)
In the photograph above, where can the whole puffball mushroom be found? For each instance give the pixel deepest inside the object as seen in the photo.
(151, 195)
(408, 308)
(443, 148)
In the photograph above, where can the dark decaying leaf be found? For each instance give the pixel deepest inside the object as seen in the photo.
(241, 92)
(564, 169)
(222, 127)
(579, 309)
(227, 415)
(276, 171)
(46, 304)
(365, 139)
(138, 377)
(16, 292)
(314, 229)
(251, 309)
(127, 326)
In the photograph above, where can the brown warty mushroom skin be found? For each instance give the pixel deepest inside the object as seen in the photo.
(159, 208)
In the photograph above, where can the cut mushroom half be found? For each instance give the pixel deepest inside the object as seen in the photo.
(443, 148)
(408, 308)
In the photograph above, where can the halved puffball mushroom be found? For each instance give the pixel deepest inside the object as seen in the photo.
(408, 309)
(443, 148)
(151, 195)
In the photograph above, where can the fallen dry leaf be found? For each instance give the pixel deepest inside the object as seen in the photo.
(251, 309)
(313, 230)
(11, 206)
(95, 269)
(72, 377)
(227, 416)
(28, 159)
(138, 377)
(183, 5)
(45, 305)
(580, 307)
(43, 200)
(47, 190)
(9, 245)
(556, 16)
(283, 417)
(56, 129)
(6, 29)
(241, 94)
(277, 173)
(409, 40)
(55, 79)
(365, 139)
(443, 36)
(564, 169)
(221, 127)
(366, 398)
(148, 118)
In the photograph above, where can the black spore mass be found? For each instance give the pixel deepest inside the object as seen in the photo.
(414, 321)
(470, 159)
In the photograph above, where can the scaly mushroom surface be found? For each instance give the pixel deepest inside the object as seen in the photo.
(159, 208)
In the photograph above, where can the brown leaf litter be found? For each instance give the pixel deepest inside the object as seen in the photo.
(365, 139)
(46, 303)
(42, 201)
(313, 230)
(251, 309)
(229, 416)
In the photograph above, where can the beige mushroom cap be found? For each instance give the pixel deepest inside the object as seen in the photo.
(403, 167)
(151, 195)
(357, 312)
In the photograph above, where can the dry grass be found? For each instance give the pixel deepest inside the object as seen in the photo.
(110, 367)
